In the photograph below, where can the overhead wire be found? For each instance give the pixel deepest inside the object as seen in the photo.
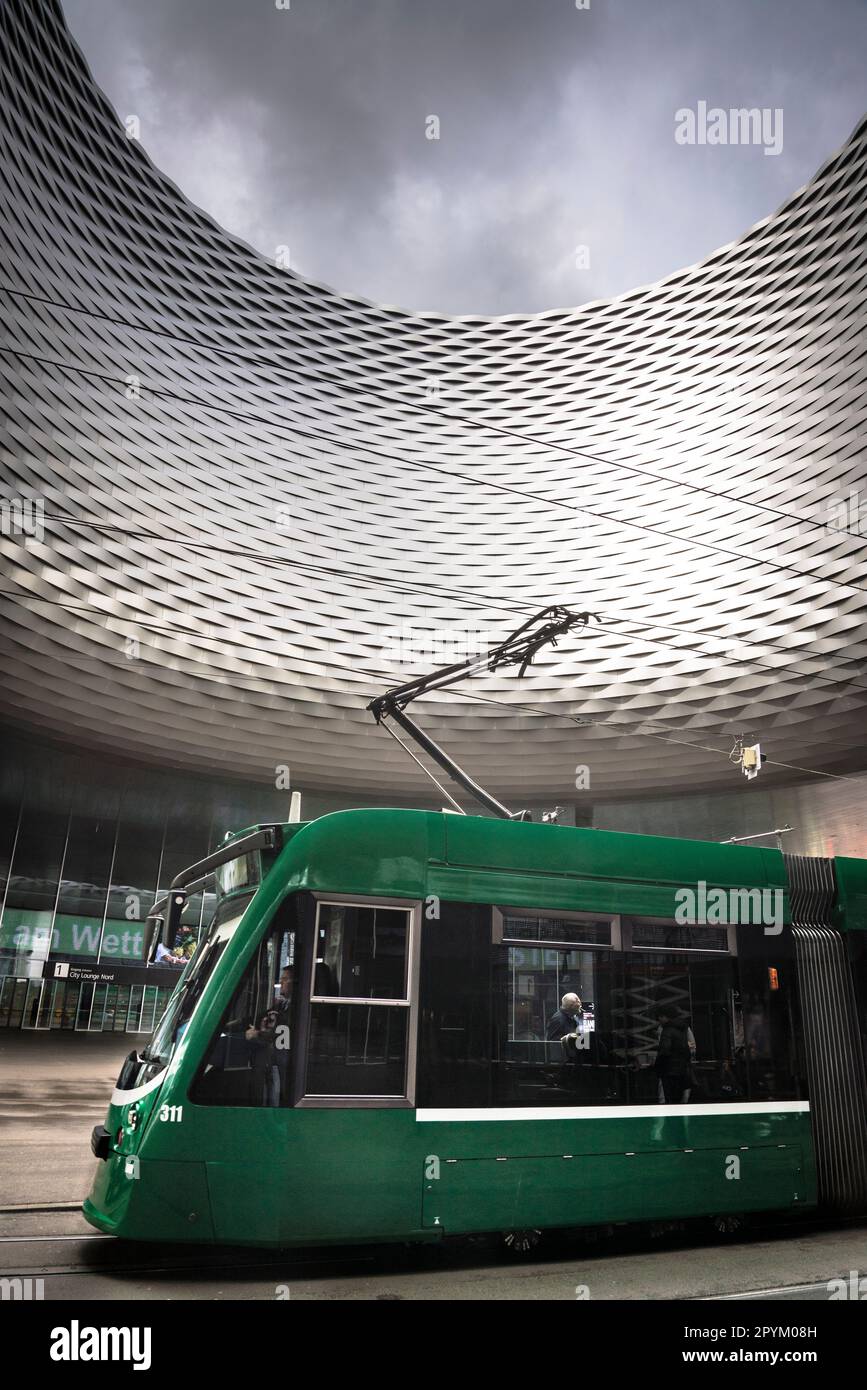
(428, 407)
(453, 475)
(425, 588)
(582, 720)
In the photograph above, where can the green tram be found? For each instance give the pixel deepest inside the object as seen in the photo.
(360, 1050)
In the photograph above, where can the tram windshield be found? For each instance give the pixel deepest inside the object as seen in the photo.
(174, 1021)
(243, 872)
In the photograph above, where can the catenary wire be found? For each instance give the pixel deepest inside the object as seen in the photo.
(462, 595)
(582, 720)
(453, 475)
(423, 406)
(627, 728)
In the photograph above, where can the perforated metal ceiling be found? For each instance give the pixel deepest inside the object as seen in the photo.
(304, 473)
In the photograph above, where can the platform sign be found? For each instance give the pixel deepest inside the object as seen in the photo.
(77, 972)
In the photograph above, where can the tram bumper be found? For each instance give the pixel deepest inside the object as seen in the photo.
(150, 1199)
(100, 1142)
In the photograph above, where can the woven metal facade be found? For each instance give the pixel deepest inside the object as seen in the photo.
(236, 505)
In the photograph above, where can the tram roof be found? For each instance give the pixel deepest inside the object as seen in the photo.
(407, 853)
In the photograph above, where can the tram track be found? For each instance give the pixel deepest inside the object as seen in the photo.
(29, 1240)
(635, 1232)
(38, 1208)
(197, 1263)
(217, 1265)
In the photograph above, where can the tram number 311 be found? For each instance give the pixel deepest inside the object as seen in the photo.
(172, 1112)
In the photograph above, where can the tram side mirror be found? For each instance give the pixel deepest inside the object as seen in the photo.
(154, 932)
(176, 903)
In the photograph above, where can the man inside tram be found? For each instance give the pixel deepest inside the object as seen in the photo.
(269, 1039)
(673, 1059)
(585, 1057)
(567, 1019)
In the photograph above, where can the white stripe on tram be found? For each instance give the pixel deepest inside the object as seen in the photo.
(138, 1092)
(616, 1112)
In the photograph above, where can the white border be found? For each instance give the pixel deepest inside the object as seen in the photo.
(615, 1112)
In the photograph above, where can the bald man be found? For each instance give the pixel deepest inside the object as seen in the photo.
(566, 1020)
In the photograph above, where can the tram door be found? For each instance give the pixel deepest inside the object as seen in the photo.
(348, 994)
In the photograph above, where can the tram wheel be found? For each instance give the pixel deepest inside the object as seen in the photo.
(521, 1242)
(728, 1224)
(658, 1229)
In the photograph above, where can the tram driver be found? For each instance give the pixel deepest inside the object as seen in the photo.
(269, 1039)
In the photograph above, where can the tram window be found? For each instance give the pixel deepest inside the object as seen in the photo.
(359, 1028)
(455, 1008)
(551, 928)
(248, 1061)
(683, 1027)
(357, 1050)
(742, 1035)
(171, 1026)
(740, 1038)
(361, 952)
(672, 936)
(770, 1056)
(532, 1063)
(858, 957)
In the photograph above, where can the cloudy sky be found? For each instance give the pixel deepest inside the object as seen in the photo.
(307, 127)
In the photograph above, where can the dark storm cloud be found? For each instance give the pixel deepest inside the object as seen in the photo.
(306, 127)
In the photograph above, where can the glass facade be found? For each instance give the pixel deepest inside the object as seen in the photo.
(86, 846)
(87, 843)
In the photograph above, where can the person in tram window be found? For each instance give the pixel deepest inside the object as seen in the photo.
(269, 1041)
(265, 1081)
(566, 1020)
(673, 1058)
(729, 1085)
(166, 957)
(282, 1035)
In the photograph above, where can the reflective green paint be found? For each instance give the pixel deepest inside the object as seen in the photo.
(642, 1183)
(851, 907)
(477, 859)
(306, 1176)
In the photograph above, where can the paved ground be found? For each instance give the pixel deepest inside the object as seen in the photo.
(51, 1095)
(82, 1057)
(77, 1263)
